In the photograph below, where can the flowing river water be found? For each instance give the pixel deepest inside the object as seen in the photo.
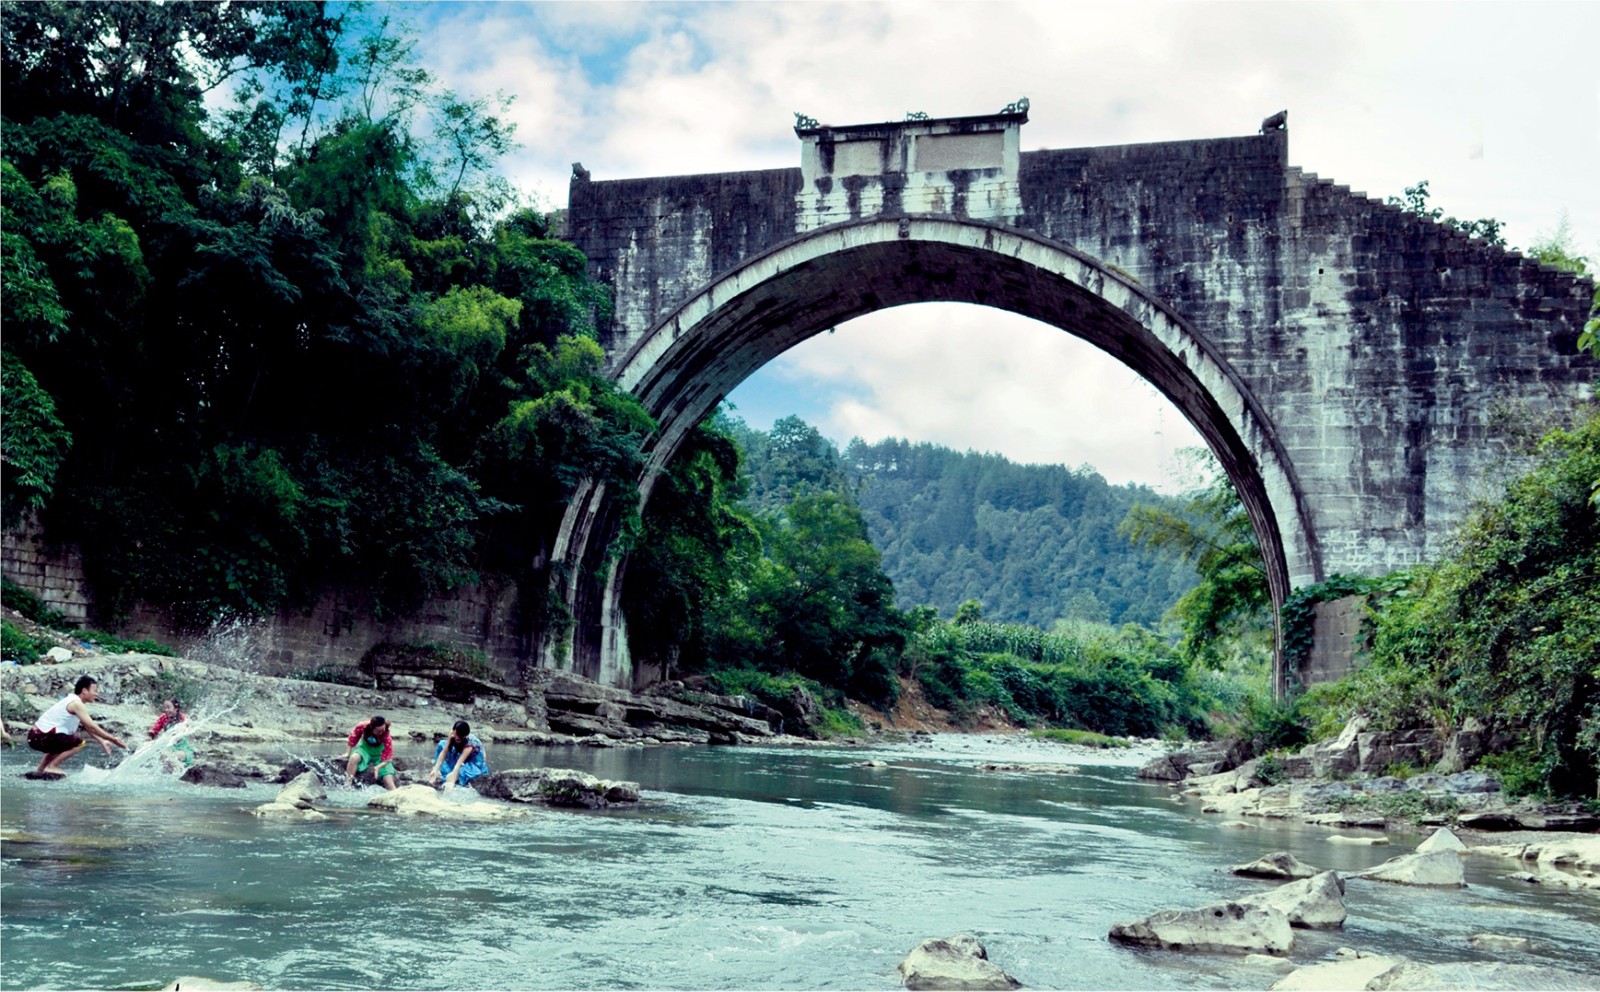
(742, 868)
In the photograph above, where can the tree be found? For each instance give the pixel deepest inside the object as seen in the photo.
(824, 599)
(1416, 201)
(1557, 249)
(1229, 611)
(694, 558)
(970, 611)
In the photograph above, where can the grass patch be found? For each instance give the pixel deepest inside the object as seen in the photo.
(1413, 807)
(839, 723)
(32, 607)
(1270, 770)
(1085, 738)
(21, 647)
(119, 645)
(335, 674)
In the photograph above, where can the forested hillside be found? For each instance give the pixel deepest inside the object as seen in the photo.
(1032, 543)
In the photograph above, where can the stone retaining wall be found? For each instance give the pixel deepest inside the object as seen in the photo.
(337, 631)
(54, 574)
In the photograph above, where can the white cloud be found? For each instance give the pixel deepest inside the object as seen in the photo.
(1496, 103)
(972, 378)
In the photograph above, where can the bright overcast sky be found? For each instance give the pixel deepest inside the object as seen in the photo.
(1496, 104)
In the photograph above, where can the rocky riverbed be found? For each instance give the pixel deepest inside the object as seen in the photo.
(1344, 784)
(241, 708)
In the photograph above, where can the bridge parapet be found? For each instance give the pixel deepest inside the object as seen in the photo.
(963, 167)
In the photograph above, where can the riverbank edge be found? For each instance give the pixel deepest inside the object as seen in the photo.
(1551, 836)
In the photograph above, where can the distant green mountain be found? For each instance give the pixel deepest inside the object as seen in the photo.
(1032, 543)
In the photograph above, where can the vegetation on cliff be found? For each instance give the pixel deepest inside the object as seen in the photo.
(273, 325)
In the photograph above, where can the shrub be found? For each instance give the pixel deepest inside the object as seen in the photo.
(1083, 738)
(118, 645)
(32, 607)
(21, 647)
(336, 674)
(1270, 770)
(1522, 769)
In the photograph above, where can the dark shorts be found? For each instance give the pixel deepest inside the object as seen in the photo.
(52, 741)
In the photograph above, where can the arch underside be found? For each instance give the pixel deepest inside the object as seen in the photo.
(698, 354)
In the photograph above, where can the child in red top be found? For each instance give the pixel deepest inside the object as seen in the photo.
(181, 753)
(370, 746)
(171, 713)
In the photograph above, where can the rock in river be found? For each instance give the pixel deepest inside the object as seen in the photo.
(425, 800)
(304, 790)
(1279, 865)
(1236, 927)
(1313, 903)
(1481, 975)
(1441, 868)
(1351, 973)
(556, 787)
(1442, 840)
(958, 962)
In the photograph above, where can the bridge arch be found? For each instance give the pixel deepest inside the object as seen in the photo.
(720, 335)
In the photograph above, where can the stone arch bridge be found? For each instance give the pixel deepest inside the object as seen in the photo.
(1352, 366)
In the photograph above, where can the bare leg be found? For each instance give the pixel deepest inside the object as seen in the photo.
(388, 782)
(52, 762)
(350, 770)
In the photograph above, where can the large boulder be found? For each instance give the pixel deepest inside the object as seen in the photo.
(1211, 759)
(1340, 757)
(424, 800)
(1280, 865)
(1582, 852)
(1441, 868)
(304, 790)
(1336, 976)
(1464, 747)
(1471, 782)
(1442, 840)
(1481, 975)
(287, 811)
(555, 787)
(209, 775)
(1313, 903)
(958, 962)
(1232, 927)
(1379, 751)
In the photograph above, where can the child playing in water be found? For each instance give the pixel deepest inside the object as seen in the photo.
(462, 753)
(181, 753)
(370, 746)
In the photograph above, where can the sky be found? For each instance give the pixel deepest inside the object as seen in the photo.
(1496, 104)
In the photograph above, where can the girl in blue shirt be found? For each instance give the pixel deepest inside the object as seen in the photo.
(458, 758)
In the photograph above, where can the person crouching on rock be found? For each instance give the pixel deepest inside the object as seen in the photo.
(462, 753)
(55, 734)
(370, 747)
(181, 753)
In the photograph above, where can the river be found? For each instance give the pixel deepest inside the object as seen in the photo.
(742, 868)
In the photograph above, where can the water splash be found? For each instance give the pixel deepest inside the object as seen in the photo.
(234, 642)
(149, 761)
